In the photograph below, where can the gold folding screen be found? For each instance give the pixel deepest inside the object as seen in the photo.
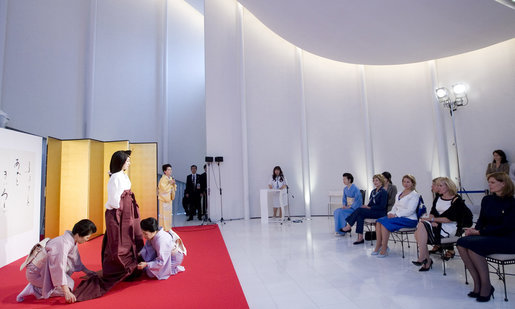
(53, 187)
(77, 176)
(143, 175)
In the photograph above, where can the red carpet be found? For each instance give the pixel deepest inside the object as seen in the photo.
(208, 282)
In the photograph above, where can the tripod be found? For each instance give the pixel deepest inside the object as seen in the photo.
(205, 201)
(221, 199)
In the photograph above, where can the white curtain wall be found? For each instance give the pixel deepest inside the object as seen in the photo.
(359, 119)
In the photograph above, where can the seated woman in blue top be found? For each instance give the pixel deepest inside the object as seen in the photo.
(376, 208)
(351, 201)
(494, 233)
(402, 215)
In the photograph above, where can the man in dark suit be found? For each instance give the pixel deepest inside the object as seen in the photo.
(193, 190)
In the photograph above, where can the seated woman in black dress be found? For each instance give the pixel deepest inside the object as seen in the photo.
(447, 209)
(375, 209)
(494, 233)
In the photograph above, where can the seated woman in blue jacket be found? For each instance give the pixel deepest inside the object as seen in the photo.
(376, 208)
(351, 201)
(494, 233)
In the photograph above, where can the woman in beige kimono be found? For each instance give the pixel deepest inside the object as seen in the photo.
(166, 194)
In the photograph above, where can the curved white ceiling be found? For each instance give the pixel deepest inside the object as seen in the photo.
(386, 31)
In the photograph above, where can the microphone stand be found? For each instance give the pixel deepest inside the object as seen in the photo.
(294, 221)
(288, 200)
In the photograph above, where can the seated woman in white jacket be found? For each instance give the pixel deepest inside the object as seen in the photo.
(402, 215)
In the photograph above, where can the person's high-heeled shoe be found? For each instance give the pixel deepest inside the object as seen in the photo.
(473, 294)
(427, 267)
(435, 249)
(417, 263)
(484, 299)
(449, 254)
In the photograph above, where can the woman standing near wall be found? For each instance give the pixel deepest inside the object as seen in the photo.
(499, 163)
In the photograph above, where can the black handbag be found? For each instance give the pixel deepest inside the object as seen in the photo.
(370, 235)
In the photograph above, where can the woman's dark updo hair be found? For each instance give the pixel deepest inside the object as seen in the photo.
(149, 225)
(349, 177)
(118, 159)
(84, 227)
(281, 176)
(502, 154)
(388, 176)
(166, 166)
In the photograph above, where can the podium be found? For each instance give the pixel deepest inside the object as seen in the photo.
(266, 200)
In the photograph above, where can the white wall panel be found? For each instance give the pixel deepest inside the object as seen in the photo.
(43, 77)
(400, 102)
(186, 88)
(223, 109)
(126, 73)
(273, 112)
(335, 127)
(487, 123)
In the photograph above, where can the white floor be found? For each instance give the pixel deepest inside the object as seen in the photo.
(304, 265)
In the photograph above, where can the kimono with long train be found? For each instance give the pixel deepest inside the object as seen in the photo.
(121, 243)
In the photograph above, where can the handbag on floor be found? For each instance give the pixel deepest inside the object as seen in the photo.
(370, 235)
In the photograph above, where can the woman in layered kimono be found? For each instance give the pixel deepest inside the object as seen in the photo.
(163, 252)
(52, 262)
(122, 239)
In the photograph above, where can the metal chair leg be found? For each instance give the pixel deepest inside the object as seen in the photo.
(504, 282)
(442, 257)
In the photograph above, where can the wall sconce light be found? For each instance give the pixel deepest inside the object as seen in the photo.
(458, 97)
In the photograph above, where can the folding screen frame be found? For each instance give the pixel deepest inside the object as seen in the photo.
(77, 176)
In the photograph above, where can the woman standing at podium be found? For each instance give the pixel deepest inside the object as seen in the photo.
(278, 182)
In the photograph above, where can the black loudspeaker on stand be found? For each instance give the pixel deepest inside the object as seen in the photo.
(206, 207)
(218, 160)
(210, 161)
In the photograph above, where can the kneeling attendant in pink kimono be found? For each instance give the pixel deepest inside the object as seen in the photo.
(163, 251)
(52, 262)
